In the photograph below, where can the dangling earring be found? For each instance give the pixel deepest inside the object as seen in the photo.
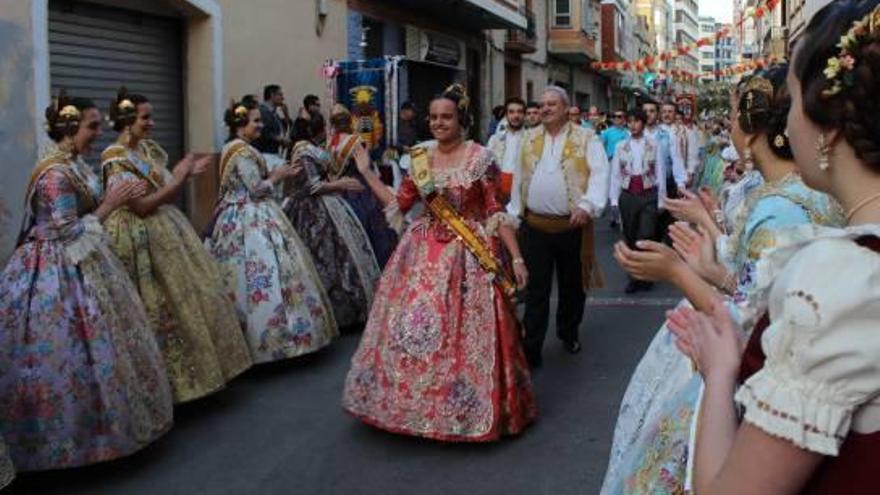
(748, 159)
(824, 150)
(125, 136)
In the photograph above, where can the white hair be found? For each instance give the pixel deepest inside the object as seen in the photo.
(560, 92)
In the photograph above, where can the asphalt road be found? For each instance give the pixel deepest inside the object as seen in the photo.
(279, 429)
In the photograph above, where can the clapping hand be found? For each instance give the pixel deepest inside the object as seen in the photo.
(362, 159)
(653, 261)
(713, 342)
(200, 165)
(695, 247)
(122, 192)
(688, 208)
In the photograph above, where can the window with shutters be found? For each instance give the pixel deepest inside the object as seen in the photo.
(562, 13)
(587, 17)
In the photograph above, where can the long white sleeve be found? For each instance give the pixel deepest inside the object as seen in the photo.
(661, 177)
(596, 196)
(615, 185)
(693, 158)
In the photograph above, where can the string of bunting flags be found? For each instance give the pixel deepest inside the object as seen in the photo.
(647, 64)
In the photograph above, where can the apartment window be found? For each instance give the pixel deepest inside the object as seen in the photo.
(562, 13)
(587, 17)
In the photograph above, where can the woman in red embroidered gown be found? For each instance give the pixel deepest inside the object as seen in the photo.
(810, 375)
(441, 355)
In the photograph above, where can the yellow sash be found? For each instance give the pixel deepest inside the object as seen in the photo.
(60, 160)
(233, 150)
(118, 155)
(341, 154)
(445, 212)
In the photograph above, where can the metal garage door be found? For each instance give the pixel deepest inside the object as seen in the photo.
(94, 49)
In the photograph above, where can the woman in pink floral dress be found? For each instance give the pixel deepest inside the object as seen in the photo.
(81, 376)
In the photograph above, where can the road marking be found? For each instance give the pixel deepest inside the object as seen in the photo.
(631, 301)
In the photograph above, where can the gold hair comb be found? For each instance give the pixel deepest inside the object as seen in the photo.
(759, 84)
(125, 105)
(69, 112)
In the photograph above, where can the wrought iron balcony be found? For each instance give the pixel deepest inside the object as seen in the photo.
(523, 40)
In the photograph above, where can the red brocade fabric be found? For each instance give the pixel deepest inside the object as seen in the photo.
(441, 355)
(856, 470)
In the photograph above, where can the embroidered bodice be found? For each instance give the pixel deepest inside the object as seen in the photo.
(64, 191)
(244, 174)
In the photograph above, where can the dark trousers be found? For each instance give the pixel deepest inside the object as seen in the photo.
(544, 254)
(638, 213)
(666, 218)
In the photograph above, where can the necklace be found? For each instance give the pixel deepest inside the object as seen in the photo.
(865, 202)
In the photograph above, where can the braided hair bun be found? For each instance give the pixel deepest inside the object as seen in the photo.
(64, 115)
(458, 95)
(763, 107)
(238, 115)
(124, 109)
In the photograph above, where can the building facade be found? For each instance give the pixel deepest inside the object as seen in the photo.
(707, 53)
(658, 15)
(573, 44)
(797, 15)
(687, 32)
(726, 51)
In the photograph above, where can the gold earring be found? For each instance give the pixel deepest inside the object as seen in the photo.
(824, 151)
(779, 142)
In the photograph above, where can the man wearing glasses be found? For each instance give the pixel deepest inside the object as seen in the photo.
(612, 136)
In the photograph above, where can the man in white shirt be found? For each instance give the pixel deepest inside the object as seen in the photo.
(638, 186)
(506, 144)
(564, 186)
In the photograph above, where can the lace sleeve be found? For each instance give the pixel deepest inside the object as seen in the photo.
(822, 348)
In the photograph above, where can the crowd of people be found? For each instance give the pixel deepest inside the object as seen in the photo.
(113, 309)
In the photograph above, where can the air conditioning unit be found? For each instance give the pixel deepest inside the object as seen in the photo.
(426, 46)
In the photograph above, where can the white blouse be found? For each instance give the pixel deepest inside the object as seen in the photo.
(821, 378)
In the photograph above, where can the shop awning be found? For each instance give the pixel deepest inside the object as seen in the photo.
(467, 14)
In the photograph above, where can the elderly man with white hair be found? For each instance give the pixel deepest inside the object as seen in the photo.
(564, 186)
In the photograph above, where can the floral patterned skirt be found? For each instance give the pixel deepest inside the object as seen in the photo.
(441, 355)
(276, 284)
(649, 453)
(342, 253)
(187, 300)
(81, 377)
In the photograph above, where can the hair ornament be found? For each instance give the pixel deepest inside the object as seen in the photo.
(839, 69)
(126, 105)
(240, 112)
(759, 84)
(464, 100)
(69, 112)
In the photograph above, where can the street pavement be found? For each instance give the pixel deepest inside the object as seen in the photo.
(280, 429)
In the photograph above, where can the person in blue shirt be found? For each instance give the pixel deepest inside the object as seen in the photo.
(615, 134)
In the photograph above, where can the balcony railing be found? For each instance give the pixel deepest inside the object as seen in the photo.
(523, 40)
